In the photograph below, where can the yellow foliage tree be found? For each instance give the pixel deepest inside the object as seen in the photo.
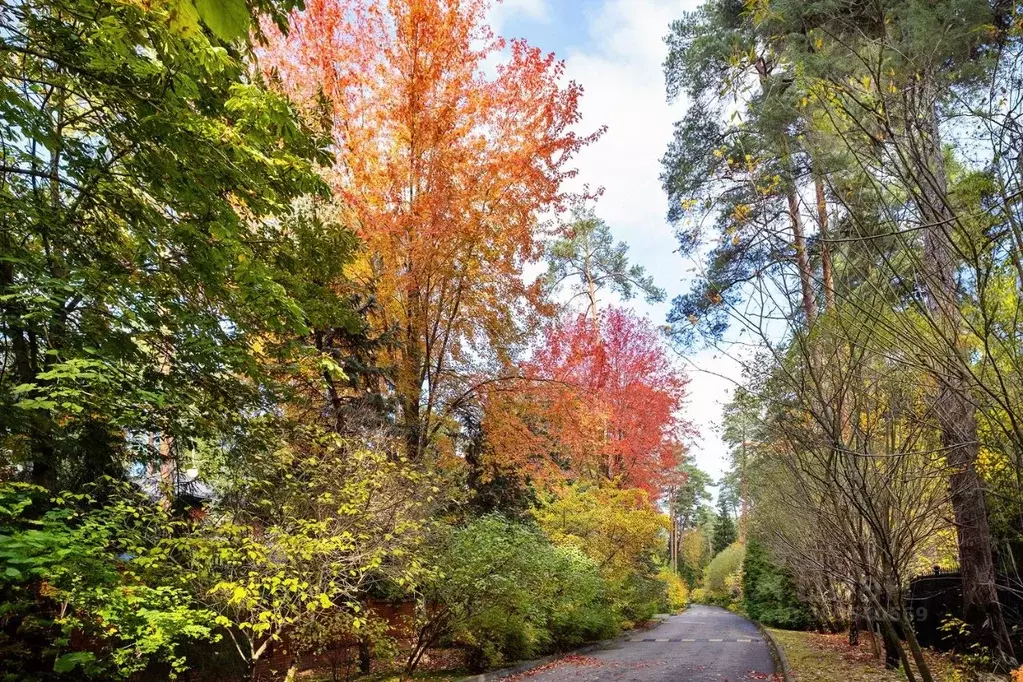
(619, 528)
(676, 590)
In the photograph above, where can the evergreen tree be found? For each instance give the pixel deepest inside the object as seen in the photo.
(768, 593)
(688, 499)
(724, 527)
(589, 257)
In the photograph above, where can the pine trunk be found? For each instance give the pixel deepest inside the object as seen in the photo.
(954, 405)
(826, 268)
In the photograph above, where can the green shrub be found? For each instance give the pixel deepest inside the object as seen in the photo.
(73, 565)
(579, 609)
(721, 578)
(502, 589)
(637, 597)
(768, 593)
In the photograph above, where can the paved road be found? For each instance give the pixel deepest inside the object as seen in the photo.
(704, 644)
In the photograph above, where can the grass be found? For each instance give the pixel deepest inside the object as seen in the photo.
(826, 658)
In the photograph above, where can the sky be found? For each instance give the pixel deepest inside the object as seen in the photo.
(614, 49)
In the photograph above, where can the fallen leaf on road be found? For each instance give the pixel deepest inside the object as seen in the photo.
(571, 659)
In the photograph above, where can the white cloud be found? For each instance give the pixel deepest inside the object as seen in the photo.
(624, 89)
(532, 10)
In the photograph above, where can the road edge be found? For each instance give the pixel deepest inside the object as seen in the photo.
(530, 665)
(777, 653)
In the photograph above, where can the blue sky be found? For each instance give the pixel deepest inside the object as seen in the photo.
(554, 25)
(614, 49)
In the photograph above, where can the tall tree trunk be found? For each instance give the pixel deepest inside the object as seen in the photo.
(673, 542)
(955, 408)
(365, 657)
(591, 286)
(410, 375)
(798, 234)
(855, 608)
(25, 365)
(822, 220)
(802, 258)
(894, 653)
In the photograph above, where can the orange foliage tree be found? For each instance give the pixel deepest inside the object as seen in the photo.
(448, 143)
(594, 403)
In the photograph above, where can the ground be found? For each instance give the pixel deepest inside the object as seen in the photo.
(826, 658)
(704, 644)
(708, 643)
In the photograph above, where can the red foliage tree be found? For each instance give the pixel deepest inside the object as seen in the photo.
(598, 402)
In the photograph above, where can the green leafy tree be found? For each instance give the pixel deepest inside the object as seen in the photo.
(143, 173)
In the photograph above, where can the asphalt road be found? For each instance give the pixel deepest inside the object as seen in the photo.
(704, 644)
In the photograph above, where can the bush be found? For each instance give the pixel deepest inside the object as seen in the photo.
(676, 592)
(721, 578)
(768, 593)
(579, 610)
(71, 565)
(503, 590)
(621, 531)
(637, 597)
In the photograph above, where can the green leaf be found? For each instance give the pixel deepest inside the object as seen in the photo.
(228, 19)
(12, 573)
(69, 662)
(184, 19)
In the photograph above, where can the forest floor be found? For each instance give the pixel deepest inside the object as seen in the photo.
(815, 657)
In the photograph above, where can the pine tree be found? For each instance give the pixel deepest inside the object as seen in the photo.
(724, 527)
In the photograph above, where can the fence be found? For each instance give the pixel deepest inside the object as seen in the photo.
(935, 600)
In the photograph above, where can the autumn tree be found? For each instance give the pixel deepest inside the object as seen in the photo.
(442, 166)
(602, 404)
(620, 529)
(298, 537)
